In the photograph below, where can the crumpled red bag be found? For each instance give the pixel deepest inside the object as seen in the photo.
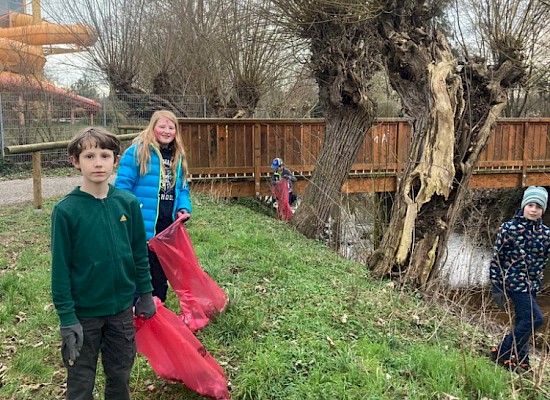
(199, 296)
(175, 354)
(280, 191)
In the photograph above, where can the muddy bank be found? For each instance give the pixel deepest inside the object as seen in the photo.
(482, 308)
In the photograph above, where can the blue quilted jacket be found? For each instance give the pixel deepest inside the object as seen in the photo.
(146, 188)
(520, 254)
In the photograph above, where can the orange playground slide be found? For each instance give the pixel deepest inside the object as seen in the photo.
(22, 57)
(21, 42)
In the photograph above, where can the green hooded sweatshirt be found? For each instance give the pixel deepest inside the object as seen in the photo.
(99, 255)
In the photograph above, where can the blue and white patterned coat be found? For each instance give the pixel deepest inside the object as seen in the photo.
(146, 188)
(520, 254)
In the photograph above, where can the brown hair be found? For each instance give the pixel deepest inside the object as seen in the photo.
(99, 137)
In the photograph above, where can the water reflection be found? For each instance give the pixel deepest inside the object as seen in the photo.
(466, 265)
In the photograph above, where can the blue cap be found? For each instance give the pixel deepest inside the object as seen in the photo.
(277, 162)
(535, 194)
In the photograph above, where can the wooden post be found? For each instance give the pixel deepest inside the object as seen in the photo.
(36, 180)
(526, 144)
(257, 159)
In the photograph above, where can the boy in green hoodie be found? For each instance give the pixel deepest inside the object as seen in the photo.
(99, 259)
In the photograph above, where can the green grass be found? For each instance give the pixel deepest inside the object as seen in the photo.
(302, 322)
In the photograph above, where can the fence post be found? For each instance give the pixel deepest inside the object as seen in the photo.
(257, 159)
(525, 153)
(37, 180)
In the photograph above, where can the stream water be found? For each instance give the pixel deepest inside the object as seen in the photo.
(465, 270)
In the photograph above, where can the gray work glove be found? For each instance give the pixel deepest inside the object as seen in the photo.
(499, 297)
(145, 305)
(72, 338)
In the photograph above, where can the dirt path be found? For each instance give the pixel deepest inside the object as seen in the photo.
(20, 190)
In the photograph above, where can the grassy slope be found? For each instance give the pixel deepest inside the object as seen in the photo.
(302, 322)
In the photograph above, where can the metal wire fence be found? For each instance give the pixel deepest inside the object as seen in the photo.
(37, 117)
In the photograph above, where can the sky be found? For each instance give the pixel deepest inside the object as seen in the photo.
(62, 69)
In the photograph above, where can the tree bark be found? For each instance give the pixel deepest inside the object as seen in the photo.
(343, 64)
(344, 134)
(445, 145)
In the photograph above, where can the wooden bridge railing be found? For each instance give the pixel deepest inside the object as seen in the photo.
(232, 157)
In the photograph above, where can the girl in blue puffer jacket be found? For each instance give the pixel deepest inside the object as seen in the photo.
(154, 169)
(520, 256)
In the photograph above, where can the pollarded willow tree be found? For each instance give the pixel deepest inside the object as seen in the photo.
(221, 50)
(342, 62)
(120, 53)
(452, 107)
(474, 22)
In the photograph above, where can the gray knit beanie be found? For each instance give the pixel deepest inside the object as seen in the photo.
(535, 194)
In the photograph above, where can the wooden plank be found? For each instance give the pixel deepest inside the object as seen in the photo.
(232, 133)
(542, 140)
(250, 140)
(248, 188)
(201, 159)
(256, 141)
(238, 145)
(508, 143)
(403, 141)
(305, 130)
(360, 158)
(210, 135)
(293, 158)
(287, 145)
(508, 180)
(518, 147)
(364, 185)
(392, 144)
(497, 155)
(223, 170)
(267, 144)
(184, 132)
(205, 144)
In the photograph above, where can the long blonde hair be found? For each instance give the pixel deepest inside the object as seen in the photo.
(146, 138)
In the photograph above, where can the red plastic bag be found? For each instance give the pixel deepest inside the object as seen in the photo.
(280, 191)
(199, 296)
(175, 354)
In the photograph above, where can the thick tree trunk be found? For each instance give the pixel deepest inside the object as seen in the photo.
(343, 64)
(444, 147)
(344, 134)
(418, 219)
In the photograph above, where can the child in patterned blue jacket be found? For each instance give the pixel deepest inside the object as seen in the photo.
(520, 255)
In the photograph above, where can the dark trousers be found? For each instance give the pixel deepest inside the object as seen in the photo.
(291, 198)
(158, 277)
(114, 337)
(528, 318)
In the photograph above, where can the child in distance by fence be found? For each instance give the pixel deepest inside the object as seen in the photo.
(520, 255)
(281, 172)
(99, 260)
(154, 168)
